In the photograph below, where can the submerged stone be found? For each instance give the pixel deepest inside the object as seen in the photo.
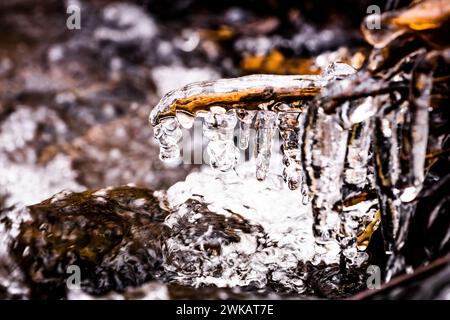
(111, 236)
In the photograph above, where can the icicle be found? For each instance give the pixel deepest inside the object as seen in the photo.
(324, 145)
(265, 129)
(358, 153)
(415, 139)
(387, 171)
(219, 128)
(395, 215)
(168, 134)
(289, 126)
(400, 172)
(245, 121)
(358, 212)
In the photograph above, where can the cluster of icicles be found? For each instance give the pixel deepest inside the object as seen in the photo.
(326, 155)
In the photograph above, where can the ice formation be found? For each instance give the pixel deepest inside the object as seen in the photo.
(314, 144)
(355, 152)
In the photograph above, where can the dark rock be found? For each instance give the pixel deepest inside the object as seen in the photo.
(113, 235)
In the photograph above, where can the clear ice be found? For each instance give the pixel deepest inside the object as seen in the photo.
(265, 129)
(290, 126)
(218, 127)
(168, 133)
(339, 155)
(245, 121)
(313, 143)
